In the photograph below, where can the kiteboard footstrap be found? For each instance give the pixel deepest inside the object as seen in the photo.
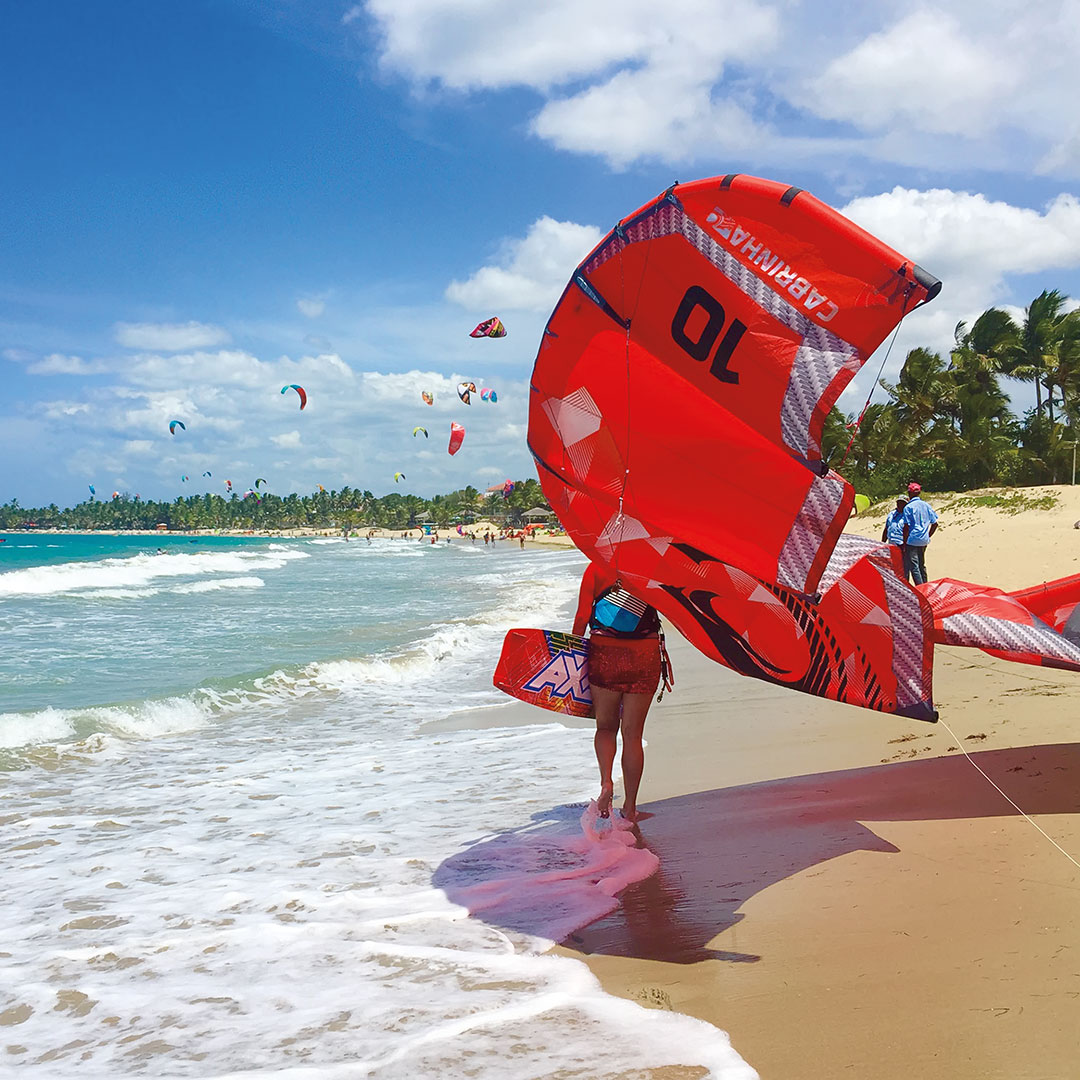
(667, 673)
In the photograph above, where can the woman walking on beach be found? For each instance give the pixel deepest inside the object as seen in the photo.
(627, 659)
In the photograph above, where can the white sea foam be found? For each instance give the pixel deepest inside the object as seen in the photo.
(139, 571)
(221, 583)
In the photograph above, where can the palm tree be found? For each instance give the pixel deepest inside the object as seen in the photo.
(1027, 350)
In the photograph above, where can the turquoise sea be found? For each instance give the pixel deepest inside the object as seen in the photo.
(224, 810)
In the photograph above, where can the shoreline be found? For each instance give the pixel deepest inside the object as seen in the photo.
(300, 533)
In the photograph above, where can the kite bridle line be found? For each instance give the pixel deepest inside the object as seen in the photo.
(1027, 817)
(858, 423)
(628, 319)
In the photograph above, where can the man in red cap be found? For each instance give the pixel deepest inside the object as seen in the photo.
(920, 523)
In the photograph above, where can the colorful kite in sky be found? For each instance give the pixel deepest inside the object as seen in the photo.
(489, 328)
(457, 435)
(487, 394)
(464, 390)
(174, 424)
(300, 391)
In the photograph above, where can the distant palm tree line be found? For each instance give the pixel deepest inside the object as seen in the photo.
(348, 508)
(948, 422)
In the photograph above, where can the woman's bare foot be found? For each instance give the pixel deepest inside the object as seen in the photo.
(629, 813)
(603, 800)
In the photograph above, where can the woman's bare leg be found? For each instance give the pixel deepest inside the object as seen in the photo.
(606, 705)
(635, 708)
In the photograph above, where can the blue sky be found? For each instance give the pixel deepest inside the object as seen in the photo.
(203, 201)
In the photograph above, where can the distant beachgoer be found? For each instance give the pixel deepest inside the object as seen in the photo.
(893, 533)
(920, 523)
(627, 659)
(521, 538)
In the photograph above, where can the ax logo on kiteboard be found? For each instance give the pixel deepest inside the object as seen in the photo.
(565, 675)
(774, 268)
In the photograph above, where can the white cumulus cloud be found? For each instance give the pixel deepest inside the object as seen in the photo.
(975, 245)
(532, 270)
(171, 337)
(689, 81)
(59, 364)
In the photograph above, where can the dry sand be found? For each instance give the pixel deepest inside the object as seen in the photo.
(843, 892)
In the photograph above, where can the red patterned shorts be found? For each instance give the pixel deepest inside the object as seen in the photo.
(624, 665)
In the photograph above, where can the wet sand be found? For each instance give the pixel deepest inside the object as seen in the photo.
(843, 892)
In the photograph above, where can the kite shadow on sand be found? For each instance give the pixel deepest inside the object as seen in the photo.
(719, 848)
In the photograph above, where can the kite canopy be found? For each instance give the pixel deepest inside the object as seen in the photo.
(184, 479)
(464, 389)
(300, 391)
(208, 473)
(416, 429)
(487, 394)
(398, 476)
(676, 413)
(862, 503)
(457, 435)
(1040, 625)
(489, 328)
(260, 480)
(429, 399)
(92, 490)
(174, 424)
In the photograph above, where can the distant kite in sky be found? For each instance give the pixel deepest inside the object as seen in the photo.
(429, 399)
(208, 473)
(174, 424)
(489, 328)
(398, 476)
(321, 488)
(487, 394)
(228, 485)
(300, 390)
(184, 479)
(91, 487)
(416, 429)
(464, 389)
(116, 494)
(457, 436)
(261, 480)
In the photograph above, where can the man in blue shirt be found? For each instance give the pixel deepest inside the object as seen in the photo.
(920, 523)
(893, 533)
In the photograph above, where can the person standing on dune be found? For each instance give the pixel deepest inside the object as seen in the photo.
(627, 659)
(920, 523)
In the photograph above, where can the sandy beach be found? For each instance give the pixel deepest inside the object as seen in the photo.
(843, 892)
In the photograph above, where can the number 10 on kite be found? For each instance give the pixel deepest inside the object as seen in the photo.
(694, 298)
